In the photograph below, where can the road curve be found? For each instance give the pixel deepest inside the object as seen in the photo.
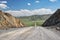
(30, 33)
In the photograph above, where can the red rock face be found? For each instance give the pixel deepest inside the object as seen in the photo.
(54, 20)
(8, 21)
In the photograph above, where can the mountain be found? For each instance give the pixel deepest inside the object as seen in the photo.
(8, 21)
(54, 19)
(36, 17)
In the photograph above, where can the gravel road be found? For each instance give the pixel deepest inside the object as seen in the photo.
(28, 33)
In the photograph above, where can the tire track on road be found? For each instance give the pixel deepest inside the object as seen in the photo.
(8, 36)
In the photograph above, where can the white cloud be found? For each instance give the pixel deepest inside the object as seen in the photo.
(29, 4)
(42, 11)
(25, 12)
(3, 1)
(37, 1)
(53, 0)
(3, 6)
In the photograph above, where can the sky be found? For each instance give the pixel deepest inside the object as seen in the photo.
(29, 7)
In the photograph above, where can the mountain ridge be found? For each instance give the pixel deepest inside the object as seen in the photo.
(53, 20)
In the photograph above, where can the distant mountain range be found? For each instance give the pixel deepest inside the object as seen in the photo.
(35, 17)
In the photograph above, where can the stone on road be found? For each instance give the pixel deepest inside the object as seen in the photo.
(30, 33)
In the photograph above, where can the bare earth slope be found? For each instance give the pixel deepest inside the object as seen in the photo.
(8, 21)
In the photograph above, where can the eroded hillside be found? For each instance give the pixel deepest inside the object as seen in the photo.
(8, 21)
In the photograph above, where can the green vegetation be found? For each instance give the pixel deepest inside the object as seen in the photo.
(31, 20)
(28, 22)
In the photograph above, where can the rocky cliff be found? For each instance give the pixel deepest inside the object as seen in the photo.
(54, 20)
(8, 21)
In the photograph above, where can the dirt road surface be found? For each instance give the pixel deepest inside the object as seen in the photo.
(29, 33)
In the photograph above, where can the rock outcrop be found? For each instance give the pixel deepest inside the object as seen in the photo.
(54, 20)
(8, 21)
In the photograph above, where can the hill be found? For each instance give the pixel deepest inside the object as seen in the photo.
(54, 19)
(31, 20)
(8, 21)
(36, 17)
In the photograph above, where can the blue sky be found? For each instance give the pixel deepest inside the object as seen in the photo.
(23, 4)
(29, 4)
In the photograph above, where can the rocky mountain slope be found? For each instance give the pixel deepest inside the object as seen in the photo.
(54, 20)
(8, 21)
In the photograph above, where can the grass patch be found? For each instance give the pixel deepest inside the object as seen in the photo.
(28, 22)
